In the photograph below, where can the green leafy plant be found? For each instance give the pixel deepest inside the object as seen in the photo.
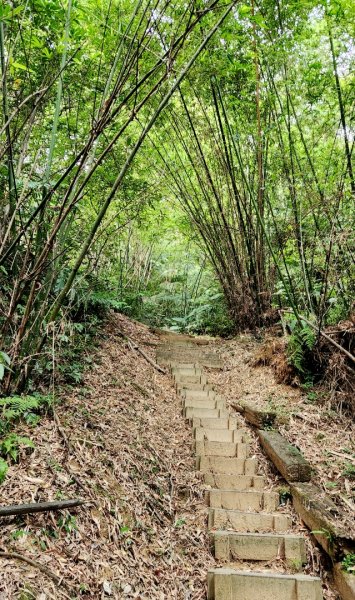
(295, 565)
(18, 533)
(348, 563)
(331, 485)
(284, 494)
(4, 467)
(329, 536)
(349, 471)
(179, 523)
(300, 344)
(68, 523)
(12, 408)
(11, 445)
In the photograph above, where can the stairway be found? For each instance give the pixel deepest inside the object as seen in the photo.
(245, 526)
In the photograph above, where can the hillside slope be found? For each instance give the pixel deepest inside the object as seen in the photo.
(120, 442)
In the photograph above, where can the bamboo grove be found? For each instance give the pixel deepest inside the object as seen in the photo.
(236, 116)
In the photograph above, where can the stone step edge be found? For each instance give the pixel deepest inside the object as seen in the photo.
(234, 545)
(281, 523)
(224, 577)
(235, 482)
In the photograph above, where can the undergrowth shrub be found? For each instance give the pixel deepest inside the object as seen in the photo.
(28, 408)
(299, 350)
(12, 409)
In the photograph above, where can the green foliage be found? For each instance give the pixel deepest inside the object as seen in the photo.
(348, 563)
(299, 347)
(182, 227)
(68, 523)
(11, 444)
(4, 467)
(349, 471)
(12, 408)
(329, 535)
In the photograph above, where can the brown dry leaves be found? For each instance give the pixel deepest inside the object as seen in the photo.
(144, 535)
(325, 437)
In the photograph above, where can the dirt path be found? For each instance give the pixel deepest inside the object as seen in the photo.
(144, 533)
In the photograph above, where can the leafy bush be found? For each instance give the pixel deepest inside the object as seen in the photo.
(348, 563)
(13, 408)
(11, 445)
(300, 345)
(4, 467)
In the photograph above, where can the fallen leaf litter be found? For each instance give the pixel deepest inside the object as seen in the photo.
(144, 534)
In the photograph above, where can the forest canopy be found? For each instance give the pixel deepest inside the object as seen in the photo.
(189, 164)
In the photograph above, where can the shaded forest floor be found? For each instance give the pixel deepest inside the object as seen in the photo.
(121, 443)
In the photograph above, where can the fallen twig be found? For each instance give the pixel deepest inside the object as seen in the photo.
(348, 502)
(57, 580)
(134, 346)
(61, 431)
(342, 455)
(26, 509)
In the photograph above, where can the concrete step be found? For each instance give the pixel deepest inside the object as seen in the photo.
(207, 448)
(190, 379)
(219, 518)
(260, 547)
(234, 482)
(255, 501)
(193, 412)
(188, 359)
(221, 435)
(226, 465)
(199, 362)
(208, 403)
(230, 422)
(182, 352)
(180, 387)
(184, 371)
(230, 584)
(189, 365)
(198, 394)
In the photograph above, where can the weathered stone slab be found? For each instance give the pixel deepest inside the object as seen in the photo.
(254, 415)
(193, 412)
(229, 422)
(286, 458)
(186, 371)
(207, 403)
(198, 394)
(180, 364)
(178, 358)
(344, 582)
(180, 387)
(219, 518)
(259, 547)
(188, 379)
(321, 516)
(207, 448)
(250, 500)
(230, 584)
(222, 464)
(234, 482)
(221, 435)
(191, 369)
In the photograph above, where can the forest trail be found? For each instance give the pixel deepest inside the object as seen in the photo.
(120, 442)
(250, 537)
